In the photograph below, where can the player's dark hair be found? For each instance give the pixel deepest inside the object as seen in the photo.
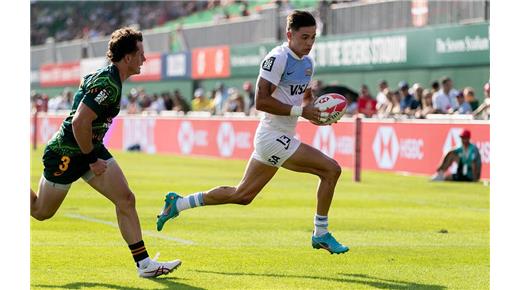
(122, 42)
(298, 19)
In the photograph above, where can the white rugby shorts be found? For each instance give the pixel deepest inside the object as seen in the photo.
(273, 147)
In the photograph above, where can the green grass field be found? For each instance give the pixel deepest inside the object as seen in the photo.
(394, 225)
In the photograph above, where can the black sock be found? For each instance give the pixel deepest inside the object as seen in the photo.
(138, 251)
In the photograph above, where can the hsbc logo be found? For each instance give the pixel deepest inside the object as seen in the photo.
(330, 144)
(325, 140)
(188, 137)
(452, 140)
(226, 139)
(385, 147)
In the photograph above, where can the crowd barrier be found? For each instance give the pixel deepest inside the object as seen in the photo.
(414, 146)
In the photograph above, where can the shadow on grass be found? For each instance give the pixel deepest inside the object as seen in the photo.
(361, 279)
(167, 283)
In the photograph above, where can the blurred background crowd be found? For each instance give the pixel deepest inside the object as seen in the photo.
(402, 100)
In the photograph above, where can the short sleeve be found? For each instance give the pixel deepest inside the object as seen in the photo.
(272, 68)
(100, 94)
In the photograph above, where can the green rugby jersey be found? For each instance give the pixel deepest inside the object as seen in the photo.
(101, 92)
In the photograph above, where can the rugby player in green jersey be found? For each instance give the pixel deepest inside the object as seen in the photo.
(77, 149)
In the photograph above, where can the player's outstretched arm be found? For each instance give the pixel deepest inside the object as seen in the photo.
(266, 103)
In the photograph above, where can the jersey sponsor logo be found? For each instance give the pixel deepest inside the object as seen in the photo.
(268, 63)
(298, 89)
(290, 73)
(101, 96)
(385, 147)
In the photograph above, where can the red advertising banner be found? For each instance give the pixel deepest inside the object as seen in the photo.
(210, 62)
(418, 147)
(415, 147)
(150, 70)
(60, 74)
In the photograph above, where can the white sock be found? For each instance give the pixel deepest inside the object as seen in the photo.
(190, 201)
(143, 263)
(321, 224)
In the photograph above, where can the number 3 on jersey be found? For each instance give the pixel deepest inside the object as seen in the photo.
(64, 165)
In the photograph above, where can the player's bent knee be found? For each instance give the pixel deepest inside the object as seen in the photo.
(333, 171)
(127, 201)
(336, 170)
(245, 200)
(42, 216)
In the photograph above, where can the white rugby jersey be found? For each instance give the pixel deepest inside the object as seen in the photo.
(292, 76)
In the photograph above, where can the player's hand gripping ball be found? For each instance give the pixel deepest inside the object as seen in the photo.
(334, 104)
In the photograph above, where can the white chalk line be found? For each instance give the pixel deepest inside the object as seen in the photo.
(112, 224)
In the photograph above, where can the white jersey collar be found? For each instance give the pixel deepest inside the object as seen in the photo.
(286, 45)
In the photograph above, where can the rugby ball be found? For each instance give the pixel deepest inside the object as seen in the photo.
(334, 104)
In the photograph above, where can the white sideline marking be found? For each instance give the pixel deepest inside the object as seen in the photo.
(112, 224)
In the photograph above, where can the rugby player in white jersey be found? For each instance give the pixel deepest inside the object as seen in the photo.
(284, 94)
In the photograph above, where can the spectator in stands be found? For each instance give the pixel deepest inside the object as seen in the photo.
(244, 10)
(381, 98)
(221, 96)
(383, 107)
(157, 104)
(366, 104)
(143, 98)
(66, 102)
(352, 106)
(435, 87)
(408, 103)
(249, 94)
(469, 97)
(168, 101)
(445, 99)
(53, 103)
(417, 92)
(88, 19)
(468, 162)
(179, 103)
(235, 103)
(484, 110)
(427, 105)
(40, 101)
(394, 107)
(200, 102)
(133, 106)
(463, 106)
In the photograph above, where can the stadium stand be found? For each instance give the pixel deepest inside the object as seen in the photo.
(60, 35)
